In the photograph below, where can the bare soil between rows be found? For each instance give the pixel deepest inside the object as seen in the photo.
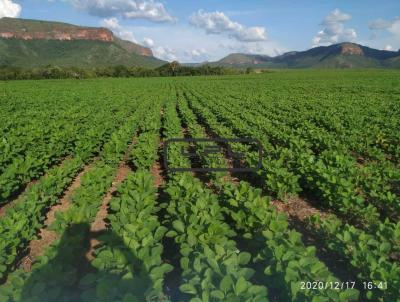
(46, 236)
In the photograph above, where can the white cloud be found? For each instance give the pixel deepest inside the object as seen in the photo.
(9, 9)
(395, 27)
(165, 53)
(219, 23)
(392, 27)
(189, 44)
(127, 35)
(379, 24)
(113, 25)
(336, 16)
(334, 30)
(197, 55)
(128, 9)
(261, 48)
(148, 42)
(149, 10)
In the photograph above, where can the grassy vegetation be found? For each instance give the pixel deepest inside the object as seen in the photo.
(318, 222)
(35, 53)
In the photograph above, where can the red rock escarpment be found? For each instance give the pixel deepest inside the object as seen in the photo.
(77, 34)
(351, 49)
(145, 52)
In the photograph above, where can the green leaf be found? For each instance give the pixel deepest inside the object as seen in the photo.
(294, 288)
(159, 271)
(217, 294)
(197, 265)
(185, 263)
(185, 251)
(179, 226)
(384, 247)
(349, 295)
(161, 230)
(226, 283)
(241, 285)
(167, 268)
(247, 273)
(347, 236)
(191, 239)
(171, 234)
(247, 236)
(244, 258)
(214, 264)
(188, 289)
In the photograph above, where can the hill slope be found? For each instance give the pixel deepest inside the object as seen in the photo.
(343, 55)
(33, 43)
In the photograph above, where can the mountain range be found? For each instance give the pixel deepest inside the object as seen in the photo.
(34, 43)
(342, 55)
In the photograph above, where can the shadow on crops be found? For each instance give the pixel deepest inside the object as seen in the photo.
(70, 276)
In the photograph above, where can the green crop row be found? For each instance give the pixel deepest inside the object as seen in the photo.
(32, 145)
(128, 262)
(85, 203)
(213, 269)
(387, 234)
(286, 261)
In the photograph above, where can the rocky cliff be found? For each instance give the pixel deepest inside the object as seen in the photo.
(351, 49)
(100, 34)
(23, 29)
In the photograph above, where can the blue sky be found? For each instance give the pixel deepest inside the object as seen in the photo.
(194, 31)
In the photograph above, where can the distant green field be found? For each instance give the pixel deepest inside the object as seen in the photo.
(318, 222)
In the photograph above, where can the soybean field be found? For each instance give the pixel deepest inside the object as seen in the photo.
(89, 211)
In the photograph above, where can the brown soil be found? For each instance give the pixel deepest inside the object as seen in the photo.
(4, 208)
(230, 178)
(46, 237)
(156, 171)
(298, 208)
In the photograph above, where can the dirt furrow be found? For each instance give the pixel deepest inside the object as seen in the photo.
(46, 236)
(158, 174)
(297, 207)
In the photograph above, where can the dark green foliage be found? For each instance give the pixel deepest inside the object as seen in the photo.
(79, 53)
(119, 71)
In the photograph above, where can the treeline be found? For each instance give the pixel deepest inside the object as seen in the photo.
(167, 70)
